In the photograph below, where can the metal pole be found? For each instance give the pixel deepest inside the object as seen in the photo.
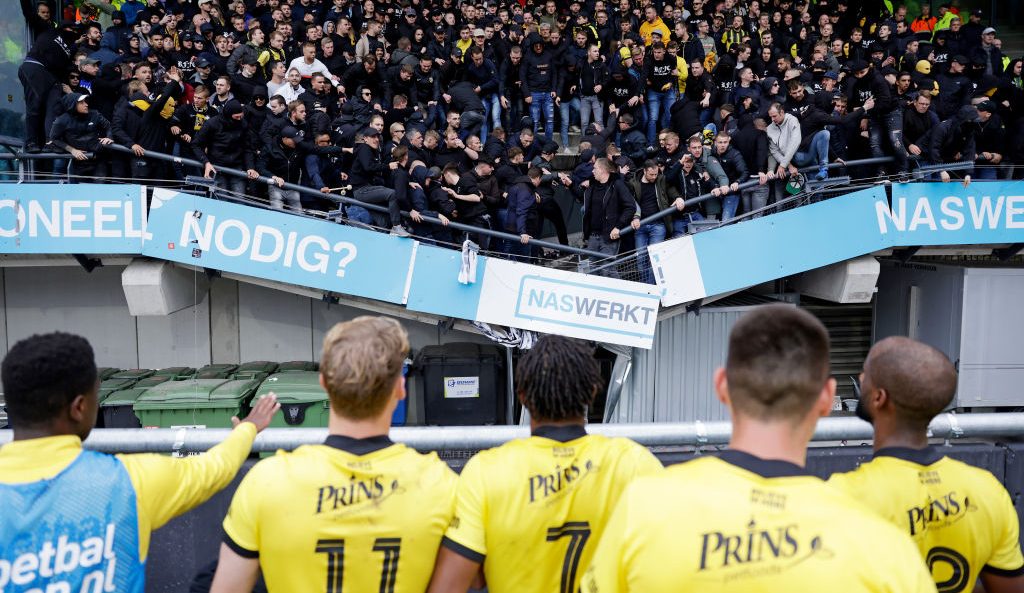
(748, 184)
(429, 438)
(354, 202)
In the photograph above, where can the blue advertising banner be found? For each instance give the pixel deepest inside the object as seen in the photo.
(86, 218)
(950, 214)
(279, 246)
(737, 256)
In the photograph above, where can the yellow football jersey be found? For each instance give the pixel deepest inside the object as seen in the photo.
(532, 509)
(738, 523)
(351, 515)
(960, 517)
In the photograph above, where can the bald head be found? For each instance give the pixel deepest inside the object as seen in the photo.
(919, 379)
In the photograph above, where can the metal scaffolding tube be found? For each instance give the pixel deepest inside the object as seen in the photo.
(461, 438)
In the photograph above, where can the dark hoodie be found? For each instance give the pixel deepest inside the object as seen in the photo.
(77, 130)
(224, 141)
(522, 207)
(537, 71)
(954, 139)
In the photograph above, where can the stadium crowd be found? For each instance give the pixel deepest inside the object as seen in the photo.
(458, 109)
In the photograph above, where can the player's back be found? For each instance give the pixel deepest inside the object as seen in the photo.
(960, 517)
(348, 515)
(532, 509)
(742, 524)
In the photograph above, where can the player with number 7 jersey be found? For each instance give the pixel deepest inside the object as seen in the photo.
(529, 513)
(356, 514)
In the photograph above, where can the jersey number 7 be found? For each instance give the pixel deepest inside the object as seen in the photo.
(335, 550)
(578, 532)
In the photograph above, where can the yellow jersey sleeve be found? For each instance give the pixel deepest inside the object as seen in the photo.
(607, 571)
(467, 530)
(166, 487)
(242, 521)
(1006, 555)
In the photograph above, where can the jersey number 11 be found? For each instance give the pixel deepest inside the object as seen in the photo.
(335, 550)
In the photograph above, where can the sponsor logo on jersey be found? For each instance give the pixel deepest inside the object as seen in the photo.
(544, 485)
(760, 550)
(937, 513)
(373, 489)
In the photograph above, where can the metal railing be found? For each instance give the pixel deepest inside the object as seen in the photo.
(754, 183)
(432, 438)
(14, 155)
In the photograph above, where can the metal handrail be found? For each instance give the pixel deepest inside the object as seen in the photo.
(747, 185)
(460, 438)
(342, 199)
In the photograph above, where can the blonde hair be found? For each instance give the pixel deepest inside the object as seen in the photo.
(361, 361)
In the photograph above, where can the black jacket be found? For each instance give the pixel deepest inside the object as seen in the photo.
(276, 160)
(611, 203)
(75, 130)
(224, 141)
(140, 121)
(368, 168)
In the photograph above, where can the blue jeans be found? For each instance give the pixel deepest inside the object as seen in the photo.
(542, 103)
(681, 225)
(658, 105)
(590, 106)
(565, 111)
(648, 234)
(730, 204)
(817, 153)
(492, 115)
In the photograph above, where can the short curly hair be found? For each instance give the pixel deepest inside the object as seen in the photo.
(44, 373)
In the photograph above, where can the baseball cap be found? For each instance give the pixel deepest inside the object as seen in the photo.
(434, 173)
(478, 32)
(82, 98)
(857, 65)
(409, 12)
(986, 105)
(439, 29)
(988, 30)
(205, 27)
(832, 74)
(550, 147)
(232, 107)
(623, 161)
(91, 62)
(657, 32)
(290, 132)
(976, 12)
(456, 52)
(203, 63)
(586, 155)
(370, 132)
(961, 59)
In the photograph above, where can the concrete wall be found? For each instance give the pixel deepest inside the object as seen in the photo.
(235, 322)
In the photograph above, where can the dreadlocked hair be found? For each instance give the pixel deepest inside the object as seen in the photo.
(558, 378)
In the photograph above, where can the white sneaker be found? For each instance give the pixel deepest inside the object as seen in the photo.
(399, 231)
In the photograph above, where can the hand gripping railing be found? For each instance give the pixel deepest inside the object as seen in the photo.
(341, 199)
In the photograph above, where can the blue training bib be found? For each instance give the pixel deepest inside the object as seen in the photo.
(77, 532)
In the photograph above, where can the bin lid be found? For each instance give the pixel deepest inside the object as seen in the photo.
(215, 371)
(174, 372)
(105, 372)
(151, 381)
(294, 387)
(298, 365)
(255, 375)
(124, 397)
(461, 353)
(196, 393)
(133, 374)
(115, 384)
(262, 366)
